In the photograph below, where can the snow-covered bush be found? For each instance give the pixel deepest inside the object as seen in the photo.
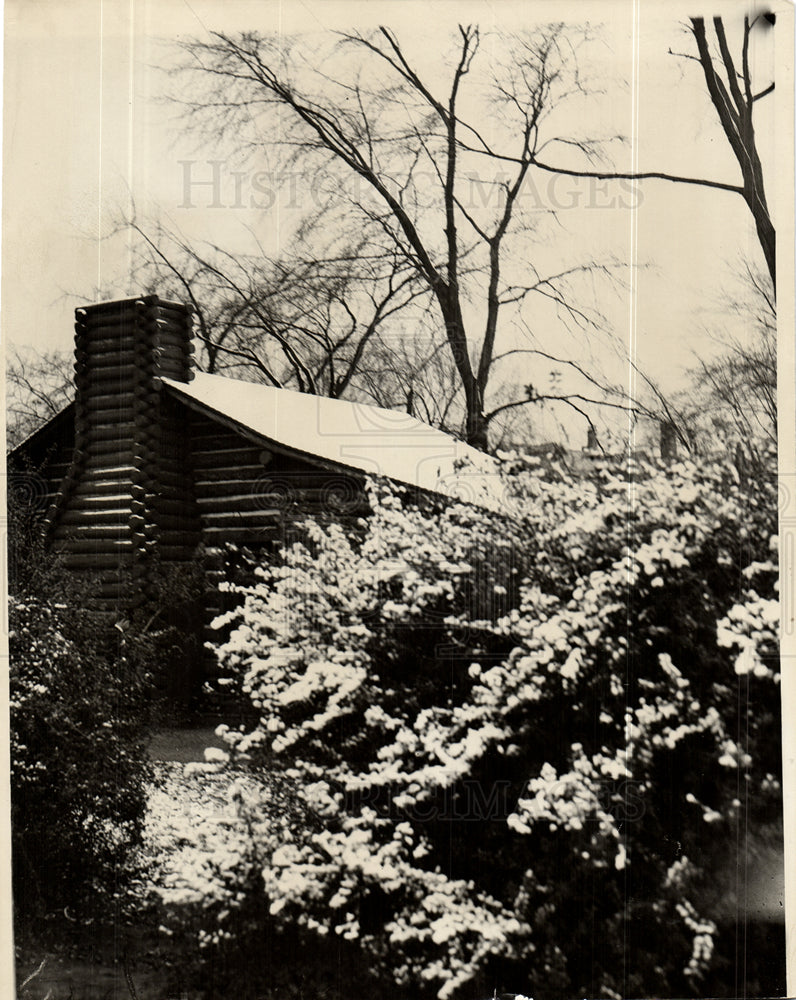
(525, 739)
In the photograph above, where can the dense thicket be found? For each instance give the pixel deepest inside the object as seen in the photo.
(524, 750)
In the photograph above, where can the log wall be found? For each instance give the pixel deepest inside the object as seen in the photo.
(254, 496)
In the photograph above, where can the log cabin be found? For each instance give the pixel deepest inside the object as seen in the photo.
(156, 465)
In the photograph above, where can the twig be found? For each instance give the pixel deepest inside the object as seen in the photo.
(129, 978)
(33, 975)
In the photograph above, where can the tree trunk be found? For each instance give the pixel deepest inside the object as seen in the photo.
(477, 424)
(768, 241)
(734, 107)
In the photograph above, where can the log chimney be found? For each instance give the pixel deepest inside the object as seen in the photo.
(126, 504)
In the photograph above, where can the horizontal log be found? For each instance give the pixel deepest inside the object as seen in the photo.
(90, 532)
(167, 307)
(173, 317)
(107, 481)
(169, 352)
(93, 469)
(100, 559)
(108, 357)
(245, 500)
(122, 375)
(223, 465)
(227, 533)
(120, 451)
(102, 451)
(99, 355)
(149, 429)
(102, 360)
(213, 455)
(240, 502)
(122, 305)
(111, 432)
(110, 321)
(76, 514)
(119, 417)
(110, 470)
(112, 494)
(227, 483)
(173, 502)
(168, 346)
(110, 338)
(103, 491)
(176, 354)
(92, 449)
(172, 337)
(201, 425)
(215, 438)
(114, 402)
(253, 519)
(92, 502)
(224, 459)
(112, 398)
(157, 302)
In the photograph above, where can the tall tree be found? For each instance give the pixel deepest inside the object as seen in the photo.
(416, 151)
(733, 97)
(733, 93)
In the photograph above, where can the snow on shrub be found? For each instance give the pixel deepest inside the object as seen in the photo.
(512, 732)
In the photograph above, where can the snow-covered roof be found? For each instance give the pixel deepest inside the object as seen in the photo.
(351, 435)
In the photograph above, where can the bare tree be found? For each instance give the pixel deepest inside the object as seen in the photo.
(38, 386)
(733, 97)
(733, 93)
(417, 155)
(416, 374)
(294, 322)
(733, 396)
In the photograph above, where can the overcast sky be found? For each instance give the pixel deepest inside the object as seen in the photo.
(86, 131)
